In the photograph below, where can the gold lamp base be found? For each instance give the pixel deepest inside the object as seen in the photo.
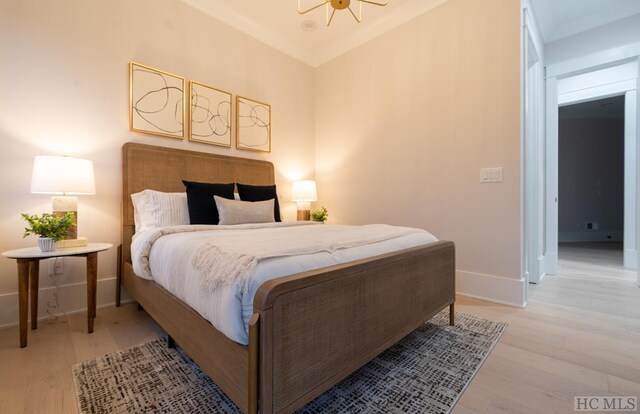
(304, 215)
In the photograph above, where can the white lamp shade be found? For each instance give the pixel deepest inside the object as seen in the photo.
(304, 190)
(62, 176)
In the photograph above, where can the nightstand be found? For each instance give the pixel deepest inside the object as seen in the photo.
(28, 277)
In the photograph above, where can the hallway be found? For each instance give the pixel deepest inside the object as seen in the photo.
(603, 255)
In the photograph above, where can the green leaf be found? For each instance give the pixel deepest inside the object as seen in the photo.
(48, 225)
(321, 215)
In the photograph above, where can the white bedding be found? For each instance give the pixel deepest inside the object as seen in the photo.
(164, 255)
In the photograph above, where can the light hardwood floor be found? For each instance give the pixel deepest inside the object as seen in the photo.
(580, 335)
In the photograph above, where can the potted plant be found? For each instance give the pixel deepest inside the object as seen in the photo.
(50, 227)
(321, 215)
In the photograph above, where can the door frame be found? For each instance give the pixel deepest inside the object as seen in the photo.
(533, 149)
(602, 62)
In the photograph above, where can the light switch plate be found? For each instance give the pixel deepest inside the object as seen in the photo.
(491, 175)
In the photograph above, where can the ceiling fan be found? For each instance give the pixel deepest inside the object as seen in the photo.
(332, 5)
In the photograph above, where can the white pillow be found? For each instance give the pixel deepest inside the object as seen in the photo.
(153, 209)
(242, 212)
(138, 200)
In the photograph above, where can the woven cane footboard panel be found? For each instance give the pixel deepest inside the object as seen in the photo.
(324, 332)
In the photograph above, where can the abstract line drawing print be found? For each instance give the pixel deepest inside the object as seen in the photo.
(156, 102)
(210, 115)
(253, 126)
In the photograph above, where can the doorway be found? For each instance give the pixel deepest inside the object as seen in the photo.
(591, 79)
(591, 177)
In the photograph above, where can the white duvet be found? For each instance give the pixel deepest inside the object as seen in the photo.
(168, 256)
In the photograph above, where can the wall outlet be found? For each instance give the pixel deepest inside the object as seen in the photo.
(491, 175)
(591, 225)
(56, 266)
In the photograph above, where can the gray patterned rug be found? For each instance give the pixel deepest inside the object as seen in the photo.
(426, 372)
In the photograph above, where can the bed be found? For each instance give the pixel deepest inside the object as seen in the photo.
(298, 345)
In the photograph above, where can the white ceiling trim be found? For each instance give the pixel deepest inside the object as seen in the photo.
(313, 57)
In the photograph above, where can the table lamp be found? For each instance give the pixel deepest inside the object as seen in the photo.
(303, 193)
(64, 178)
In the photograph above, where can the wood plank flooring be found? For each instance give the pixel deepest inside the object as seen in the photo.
(580, 335)
(37, 379)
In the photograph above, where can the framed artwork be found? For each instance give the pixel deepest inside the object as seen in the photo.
(209, 115)
(156, 102)
(253, 125)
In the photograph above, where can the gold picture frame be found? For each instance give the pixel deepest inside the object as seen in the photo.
(156, 102)
(253, 125)
(209, 115)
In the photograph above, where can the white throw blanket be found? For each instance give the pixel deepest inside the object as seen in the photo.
(230, 258)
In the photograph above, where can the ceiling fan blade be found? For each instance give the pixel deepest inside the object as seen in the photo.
(375, 3)
(330, 18)
(323, 2)
(330, 14)
(358, 19)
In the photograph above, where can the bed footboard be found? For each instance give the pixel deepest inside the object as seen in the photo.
(318, 327)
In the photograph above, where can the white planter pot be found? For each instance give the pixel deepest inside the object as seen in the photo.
(46, 244)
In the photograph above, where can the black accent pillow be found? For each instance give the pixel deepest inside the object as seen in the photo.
(202, 206)
(260, 193)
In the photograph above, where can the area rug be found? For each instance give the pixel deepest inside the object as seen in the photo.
(426, 372)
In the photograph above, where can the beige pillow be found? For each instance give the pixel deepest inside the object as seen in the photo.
(242, 212)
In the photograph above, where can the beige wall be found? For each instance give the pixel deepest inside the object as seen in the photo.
(398, 128)
(64, 90)
(405, 122)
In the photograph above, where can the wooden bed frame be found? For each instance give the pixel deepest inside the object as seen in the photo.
(309, 330)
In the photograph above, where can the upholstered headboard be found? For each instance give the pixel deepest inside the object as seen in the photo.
(163, 169)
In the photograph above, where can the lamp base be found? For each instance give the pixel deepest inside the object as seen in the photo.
(304, 215)
(67, 243)
(66, 204)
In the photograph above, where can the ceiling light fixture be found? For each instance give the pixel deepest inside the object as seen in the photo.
(332, 5)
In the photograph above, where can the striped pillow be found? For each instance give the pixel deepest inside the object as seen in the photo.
(153, 209)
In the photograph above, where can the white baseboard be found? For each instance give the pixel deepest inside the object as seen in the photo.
(590, 236)
(72, 299)
(542, 276)
(496, 289)
(630, 259)
(551, 263)
(541, 272)
(541, 267)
